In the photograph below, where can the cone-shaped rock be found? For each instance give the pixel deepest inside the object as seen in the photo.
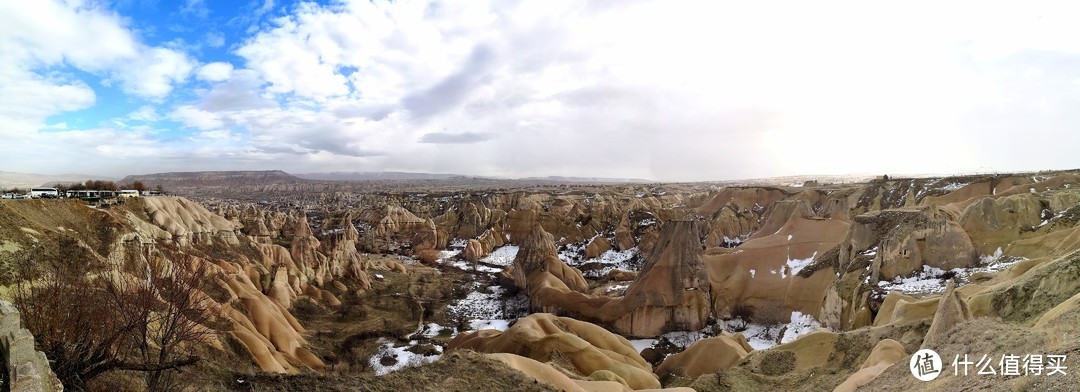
(672, 291)
(951, 310)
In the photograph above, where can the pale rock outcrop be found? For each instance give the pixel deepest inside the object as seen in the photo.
(396, 229)
(573, 346)
(538, 269)
(26, 369)
(596, 247)
(672, 290)
(188, 222)
(774, 267)
(706, 356)
(951, 310)
(473, 251)
(885, 354)
(883, 245)
(345, 262)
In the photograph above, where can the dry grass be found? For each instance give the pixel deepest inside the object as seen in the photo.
(461, 370)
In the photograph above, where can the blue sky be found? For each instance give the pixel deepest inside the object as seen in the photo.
(668, 90)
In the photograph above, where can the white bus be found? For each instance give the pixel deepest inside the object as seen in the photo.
(126, 193)
(46, 193)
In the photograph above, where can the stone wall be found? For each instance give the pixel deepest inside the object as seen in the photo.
(25, 369)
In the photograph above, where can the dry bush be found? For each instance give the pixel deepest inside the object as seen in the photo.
(771, 314)
(93, 323)
(743, 313)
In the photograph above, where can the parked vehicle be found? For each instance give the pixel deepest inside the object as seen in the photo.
(44, 193)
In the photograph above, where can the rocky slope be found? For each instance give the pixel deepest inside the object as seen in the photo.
(866, 273)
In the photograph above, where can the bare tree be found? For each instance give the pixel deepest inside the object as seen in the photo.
(92, 322)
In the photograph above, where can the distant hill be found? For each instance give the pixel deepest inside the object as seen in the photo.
(10, 180)
(589, 180)
(217, 178)
(374, 176)
(408, 176)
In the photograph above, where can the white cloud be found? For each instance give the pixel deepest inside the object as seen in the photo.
(145, 113)
(196, 118)
(42, 39)
(667, 90)
(215, 72)
(196, 8)
(155, 72)
(215, 39)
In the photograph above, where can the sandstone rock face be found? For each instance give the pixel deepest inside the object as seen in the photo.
(596, 247)
(27, 369)
(883, 245)
(573, 346)
(344, 261)
(885, 354)
(706, 356)
(768, 269)
(994, 223)
(672, 290)
(394, 228)
(189, 222)
(951, 310)
(538, 269)
(474, 250)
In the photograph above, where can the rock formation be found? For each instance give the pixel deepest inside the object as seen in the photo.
(951, 310)
(573, 346)
(706, 356)
(672, 290)
(25, 368)
(885, 354)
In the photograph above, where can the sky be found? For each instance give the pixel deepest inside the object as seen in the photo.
(666, 90)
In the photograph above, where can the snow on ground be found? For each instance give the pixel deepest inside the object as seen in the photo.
(572, 253)
(402, 357)
(641, 344)
(762, 337)
(448, 254)
(933, 280)
(467, 266)
(796, 265)
(500, 325)
(609, 260)
(432, 329)
(479, 305)
(488, 308)
(759, 336)
(733, 242)
(617, 287)
(503, 255)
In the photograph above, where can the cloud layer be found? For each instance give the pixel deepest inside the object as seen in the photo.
(666, 90)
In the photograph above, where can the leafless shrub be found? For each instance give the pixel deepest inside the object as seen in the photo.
(771, 314)
(92, 322)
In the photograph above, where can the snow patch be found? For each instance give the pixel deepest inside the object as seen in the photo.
(499, 325)
(796, 265)
(503, 255)
(401, 355)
